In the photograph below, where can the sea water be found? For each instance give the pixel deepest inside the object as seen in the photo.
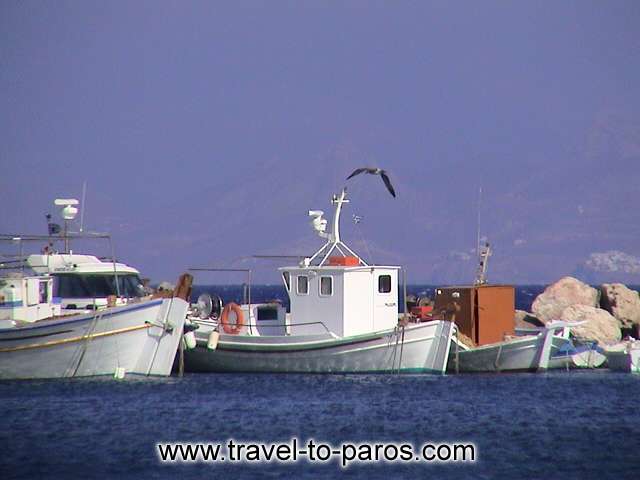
(578, 424)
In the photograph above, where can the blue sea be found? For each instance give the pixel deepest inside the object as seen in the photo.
(577, 424)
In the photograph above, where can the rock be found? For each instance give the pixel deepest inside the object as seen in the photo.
(567, 291)
(621, 302)
(601, 326)
(526, 320)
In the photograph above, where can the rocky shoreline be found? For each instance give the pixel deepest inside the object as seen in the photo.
(611, 312)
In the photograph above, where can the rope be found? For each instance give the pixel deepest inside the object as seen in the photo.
(395, 349)
(117, 347)
(82, 349)
(457, 349)
(401, 350)
(497, 362)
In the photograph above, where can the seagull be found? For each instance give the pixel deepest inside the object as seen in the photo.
(376, 171)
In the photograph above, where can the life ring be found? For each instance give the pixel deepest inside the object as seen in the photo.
(224, 319)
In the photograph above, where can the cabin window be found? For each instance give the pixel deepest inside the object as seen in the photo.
(44, 292)
(384, 283)
(326, 286)
(96, 285)
(303, 285)
(287, 280)
(267, 313)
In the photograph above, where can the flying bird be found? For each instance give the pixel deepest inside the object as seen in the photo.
(376, 171)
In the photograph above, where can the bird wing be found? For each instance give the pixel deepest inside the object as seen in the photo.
(387, 183)
(357, 171)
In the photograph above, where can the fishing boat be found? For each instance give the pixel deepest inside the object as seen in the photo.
(484, 315)
(343, 319)
(105, 332)
(140, 338)
(575, 354)
(531, 353)
(624, 357)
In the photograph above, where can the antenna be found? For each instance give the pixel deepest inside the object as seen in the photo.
(478, 231)
(485, 253)
(69, 212)
(357, 219)
(483, 258)
(84, 205)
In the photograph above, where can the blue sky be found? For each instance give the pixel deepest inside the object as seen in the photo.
(206, 130)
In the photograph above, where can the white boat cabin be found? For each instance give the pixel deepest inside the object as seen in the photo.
(345, 300)
(27, 298)
(84, 282)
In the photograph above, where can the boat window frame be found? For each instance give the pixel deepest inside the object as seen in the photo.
(65, 282)
(286, 277)
(298, 277)
(330, 277)
(266, 308)
(385, 292)
(43, 291)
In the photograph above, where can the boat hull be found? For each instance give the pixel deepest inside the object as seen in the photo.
(141, 338)
(579, 358)
(522, 354)
(624, 361)
(424, 349)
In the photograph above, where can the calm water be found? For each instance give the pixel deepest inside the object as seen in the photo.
(556, 425)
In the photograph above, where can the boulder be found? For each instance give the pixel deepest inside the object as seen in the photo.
(526, 320)
(621, 302)
(567, 291)
(601, 326)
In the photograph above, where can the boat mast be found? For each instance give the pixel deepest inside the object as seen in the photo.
(333, 239)
(69, 212)
(483, 253)
(483, 260)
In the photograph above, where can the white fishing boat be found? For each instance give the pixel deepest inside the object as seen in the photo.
(344, 319)
(578, 355)
(531, 353)
(105, 332)
(624, 357)
(139, 338)
(484, 315)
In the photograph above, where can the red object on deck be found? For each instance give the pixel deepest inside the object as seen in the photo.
(423, 313)
(344, 261)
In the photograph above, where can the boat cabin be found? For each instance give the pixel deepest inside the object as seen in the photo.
(345, 300)
(84, 281)
(27, 298)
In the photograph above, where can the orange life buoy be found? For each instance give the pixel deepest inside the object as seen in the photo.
(224, 319)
